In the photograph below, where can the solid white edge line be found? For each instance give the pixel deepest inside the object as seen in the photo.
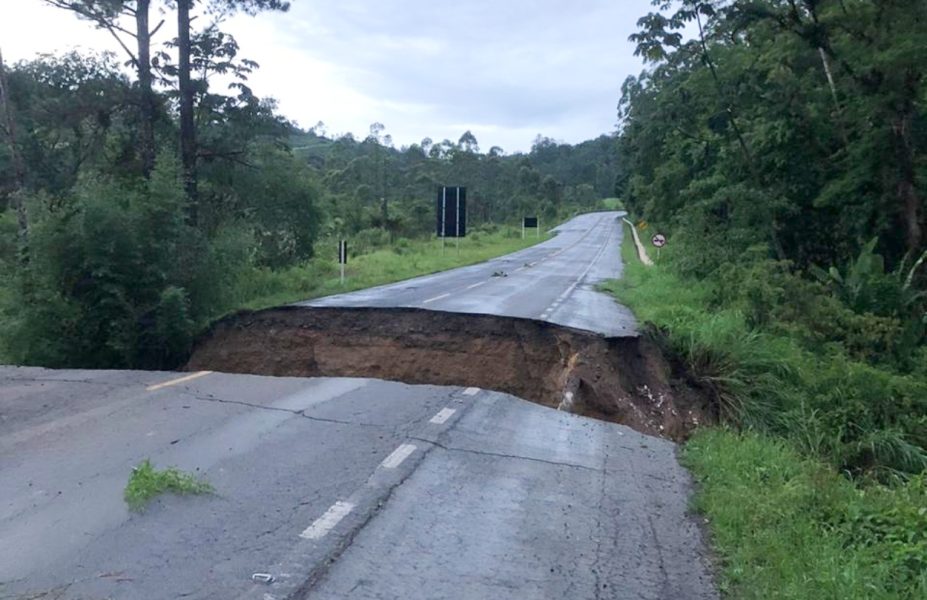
(399, 454)
(327, 522)
(171, 382)
(436, 298)
(442, 416)
(471, 391)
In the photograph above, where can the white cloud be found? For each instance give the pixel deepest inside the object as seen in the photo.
(506, 70)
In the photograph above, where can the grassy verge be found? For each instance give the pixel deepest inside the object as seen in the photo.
(146, 483)
(813, 493)
(262, 288)
(787, 526)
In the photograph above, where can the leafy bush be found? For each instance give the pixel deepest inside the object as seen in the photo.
(401, 246)
(773, 297)
(368, 240)
(861, 418)
(117, 278)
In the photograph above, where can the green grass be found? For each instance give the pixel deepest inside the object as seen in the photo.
(146, 483)
(854, 415)
(263, 288)
(785, 518)
(742, 369)
(786, 526)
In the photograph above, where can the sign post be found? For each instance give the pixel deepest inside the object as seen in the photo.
(342, 257)
(528, 223)
(658, 240)
(451, 214)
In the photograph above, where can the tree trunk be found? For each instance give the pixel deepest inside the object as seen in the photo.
(838, 111)
(909, 199)
(187, 125)
(147, 97)
(906, 189)
(19, 170)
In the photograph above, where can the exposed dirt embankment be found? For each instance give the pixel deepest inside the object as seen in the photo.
(625, 380)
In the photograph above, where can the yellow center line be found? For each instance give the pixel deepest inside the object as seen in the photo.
(171, 382)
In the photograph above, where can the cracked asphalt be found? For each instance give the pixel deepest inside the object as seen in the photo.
(337, 488)
(351, 488)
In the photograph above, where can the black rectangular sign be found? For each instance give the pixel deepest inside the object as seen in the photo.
(343, 252)
(531, 222)
(451, 209)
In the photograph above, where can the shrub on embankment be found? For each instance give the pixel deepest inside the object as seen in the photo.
(865, 418)
(814, 486)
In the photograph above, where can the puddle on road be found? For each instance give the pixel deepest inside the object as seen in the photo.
(624, 379)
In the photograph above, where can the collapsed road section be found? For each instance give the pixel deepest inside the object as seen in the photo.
(619, 379)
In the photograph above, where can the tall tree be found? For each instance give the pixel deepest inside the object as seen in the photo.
(188, 148)
(19, 171)
(106, 15)
(187, 124)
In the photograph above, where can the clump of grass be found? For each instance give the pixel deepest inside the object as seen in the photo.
(146, 482)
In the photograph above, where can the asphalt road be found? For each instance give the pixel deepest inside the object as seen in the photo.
(553, 281)
(338, 488)
(351, 488)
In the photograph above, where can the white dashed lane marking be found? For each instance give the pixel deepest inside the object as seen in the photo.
(327, 522)
(563, 296)
(471, 391)
(442, 416)
(399, 454)
(476, 285)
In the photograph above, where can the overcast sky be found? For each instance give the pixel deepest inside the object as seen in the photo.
(505, 69)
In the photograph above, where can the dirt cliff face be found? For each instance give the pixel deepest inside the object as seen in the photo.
(624, 380)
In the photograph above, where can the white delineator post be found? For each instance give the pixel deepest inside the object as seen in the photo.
(342, 257)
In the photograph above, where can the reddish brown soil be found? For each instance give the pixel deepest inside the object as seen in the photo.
(624, 380)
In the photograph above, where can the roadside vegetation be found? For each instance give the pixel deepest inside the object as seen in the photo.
(780, 151)
(125, 230)
(380, 263)
(788, 526)
(146, 483)
(813, 483)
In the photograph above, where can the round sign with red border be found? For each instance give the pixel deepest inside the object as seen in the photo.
(659, 240)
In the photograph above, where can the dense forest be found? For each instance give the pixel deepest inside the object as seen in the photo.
(370, 184)
(788, 138)
(780, 145)
(141, 199)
